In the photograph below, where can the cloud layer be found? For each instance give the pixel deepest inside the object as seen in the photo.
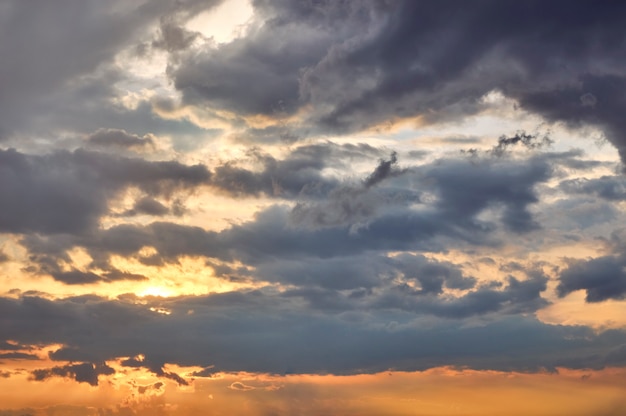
(337, 188)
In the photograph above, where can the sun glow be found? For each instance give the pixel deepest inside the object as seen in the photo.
(159, 291)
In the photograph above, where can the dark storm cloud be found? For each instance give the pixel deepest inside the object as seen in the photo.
(390, 60)
(260, 74)
(564, 103)
(261, 332)
(67, 192)
(430, 61)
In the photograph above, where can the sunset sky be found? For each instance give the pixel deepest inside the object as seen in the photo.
(312, 207)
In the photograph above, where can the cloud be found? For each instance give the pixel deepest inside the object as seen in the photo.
(118, 138)
(610, 188)
(466, 190)
(52, 49)
(366, 271)
(238, 385)
(144, 389)
(82, 373)
(602, 278)
(68, 192)
(259, 74)
(11, 346)
(78, 277)
(354, 203)
(390, 217)
(294, 176)
(355, 252)
(530, 141)
(261, 332)
(382, 171)
(153, 207)
(298, 175)
(18, 356)
(173, 37)
(358, 64)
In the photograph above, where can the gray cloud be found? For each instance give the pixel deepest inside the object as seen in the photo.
(383, 220)
(67, 192)
(355, 203)
(530, 141)
(299, 174)
(293, 339)
(366, 271)
(50, 49)
(602, 278)
(82, 373)
(389, 60)
(260, 74)
(466, 190)
(382, 171)
(611, 188)
(118, 138)
(18, 356)
(153, 207)
(173, 37)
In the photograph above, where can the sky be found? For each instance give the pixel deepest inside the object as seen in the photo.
(305, 207)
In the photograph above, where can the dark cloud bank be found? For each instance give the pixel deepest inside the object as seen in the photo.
(282, 336)
(358, 63)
